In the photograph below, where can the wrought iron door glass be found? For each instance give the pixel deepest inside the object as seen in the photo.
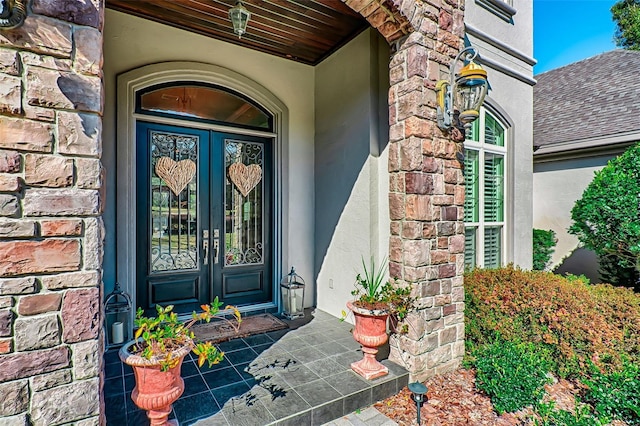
(244, 215)
(174, 217)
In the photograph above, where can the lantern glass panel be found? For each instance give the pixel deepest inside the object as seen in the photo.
(296, 301)
(239, 18)
(470, 94)
(293, 300)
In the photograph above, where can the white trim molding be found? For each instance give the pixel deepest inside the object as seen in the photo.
(500, 8)
(499, 44)
(133, 81)
(506, 70)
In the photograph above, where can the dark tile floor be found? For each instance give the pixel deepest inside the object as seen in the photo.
(300, 376)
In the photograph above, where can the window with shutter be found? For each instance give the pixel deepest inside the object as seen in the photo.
(470, 247)
(484, 174)
(493, 183)
(492, 247)
(471, 175)
(493, 131)
(473, 133)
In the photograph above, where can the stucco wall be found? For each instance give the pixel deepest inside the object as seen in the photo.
(351, 188)
(517, 34)
(505, 50)
(515, 99)
(131, 42)
(557, 186)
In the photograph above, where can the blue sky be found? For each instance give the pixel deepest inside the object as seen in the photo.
(566, 31)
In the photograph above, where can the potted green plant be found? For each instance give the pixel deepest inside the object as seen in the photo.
(376, 300)
(157, 351)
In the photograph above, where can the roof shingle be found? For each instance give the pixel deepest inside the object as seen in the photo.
(595, 97)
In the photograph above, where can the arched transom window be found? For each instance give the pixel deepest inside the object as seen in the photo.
(192, 101)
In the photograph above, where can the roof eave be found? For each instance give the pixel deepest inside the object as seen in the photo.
(586, 147)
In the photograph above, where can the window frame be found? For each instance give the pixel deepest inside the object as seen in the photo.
(480, 225)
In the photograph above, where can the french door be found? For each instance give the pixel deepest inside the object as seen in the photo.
(204, 217)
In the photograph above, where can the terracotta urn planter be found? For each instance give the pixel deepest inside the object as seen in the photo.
(155, 390)
(371, 332)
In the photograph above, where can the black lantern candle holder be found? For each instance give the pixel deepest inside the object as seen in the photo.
(117, 312)
(292, 290)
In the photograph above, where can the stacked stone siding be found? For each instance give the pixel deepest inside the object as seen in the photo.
(51, 232)
(426, 183)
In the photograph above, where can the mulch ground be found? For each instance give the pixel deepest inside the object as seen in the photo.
(453, 400)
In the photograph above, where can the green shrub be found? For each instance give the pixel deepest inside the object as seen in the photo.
(582, 416)
(543, 247)
(611, 271)
(513, 375)
(582, 277)
(607, 217)
(575, 322)
(616, 394)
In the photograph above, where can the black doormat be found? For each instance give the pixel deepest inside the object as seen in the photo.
(220, 331)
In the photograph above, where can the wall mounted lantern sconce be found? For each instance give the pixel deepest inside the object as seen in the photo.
(239, 16)
(12, 13)
(463, 92)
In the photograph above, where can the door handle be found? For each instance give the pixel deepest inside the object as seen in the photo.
(216, 246)
(205, 246)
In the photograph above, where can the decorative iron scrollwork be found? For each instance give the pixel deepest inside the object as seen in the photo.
(174, 204)
(244, 204)
(12, 13)
(185, 259)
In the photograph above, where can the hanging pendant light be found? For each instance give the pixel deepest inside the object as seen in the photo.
(239, 16)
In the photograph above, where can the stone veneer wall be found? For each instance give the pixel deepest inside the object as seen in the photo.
(51, 232)
(426, 183)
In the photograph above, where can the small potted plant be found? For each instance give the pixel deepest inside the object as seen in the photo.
(156, 355)
(376, 299)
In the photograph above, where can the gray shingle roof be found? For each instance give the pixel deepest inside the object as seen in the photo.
(598, 96)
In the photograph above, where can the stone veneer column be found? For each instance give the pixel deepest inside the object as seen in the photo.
(427, 196)
(426, 183)
(51, 232)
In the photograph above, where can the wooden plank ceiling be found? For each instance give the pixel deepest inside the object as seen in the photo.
(306, 31)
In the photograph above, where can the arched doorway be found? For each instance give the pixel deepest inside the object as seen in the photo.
(197, 171)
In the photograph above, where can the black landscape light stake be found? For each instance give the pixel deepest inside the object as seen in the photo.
(418, 394)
